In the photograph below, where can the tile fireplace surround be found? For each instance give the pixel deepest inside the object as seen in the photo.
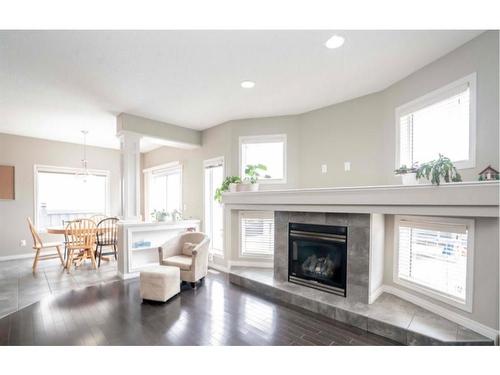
(358, 246)
(362, 211)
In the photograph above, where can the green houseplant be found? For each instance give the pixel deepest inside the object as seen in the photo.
(437, 169)
(228, 181)
(159, 215)
(253, 172)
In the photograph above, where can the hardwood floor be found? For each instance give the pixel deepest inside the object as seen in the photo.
(217, 313)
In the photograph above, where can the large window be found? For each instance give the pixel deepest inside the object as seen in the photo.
(256, 233)
(442, 122)
(163, 188)
(434, 256)
(269, 150)
(214, 219)
(62, 195)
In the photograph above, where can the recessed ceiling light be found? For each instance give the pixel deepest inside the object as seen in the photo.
(335, 41)
(247, 84)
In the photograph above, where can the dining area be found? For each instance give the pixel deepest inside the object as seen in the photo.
(92, 239)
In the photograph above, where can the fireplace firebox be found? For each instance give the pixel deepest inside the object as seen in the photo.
(318, 257)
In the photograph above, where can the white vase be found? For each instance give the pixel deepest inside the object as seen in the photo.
(409, 179)
(247, 186)
(233, 188)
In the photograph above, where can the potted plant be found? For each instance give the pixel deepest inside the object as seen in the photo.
(408, 175)
(437, 169)
(252, 175)
(159, 215)
(229, 184)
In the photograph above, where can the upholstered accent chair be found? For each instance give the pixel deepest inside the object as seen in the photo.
(189, 252)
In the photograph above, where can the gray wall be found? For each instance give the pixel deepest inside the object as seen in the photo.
(361, 131)
(24, 153)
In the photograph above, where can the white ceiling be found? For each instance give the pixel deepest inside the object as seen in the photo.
(55, 83)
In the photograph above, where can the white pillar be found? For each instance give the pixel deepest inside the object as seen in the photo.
(130, 159)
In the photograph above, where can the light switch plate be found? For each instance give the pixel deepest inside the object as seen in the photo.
(324, 168)
(347, 166)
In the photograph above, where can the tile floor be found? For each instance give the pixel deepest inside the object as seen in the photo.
(19, 287)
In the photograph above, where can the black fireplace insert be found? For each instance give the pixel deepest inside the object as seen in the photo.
(317, 257)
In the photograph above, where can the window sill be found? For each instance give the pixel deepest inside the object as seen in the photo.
(437, 296)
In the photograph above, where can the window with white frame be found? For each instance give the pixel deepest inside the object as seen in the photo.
(163, 185)
(269, 150)
(441, 122)
(61, 195)
(256, 233)
(434, 256)
(214, 213)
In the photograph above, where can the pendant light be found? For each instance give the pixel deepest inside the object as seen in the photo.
(83, 173)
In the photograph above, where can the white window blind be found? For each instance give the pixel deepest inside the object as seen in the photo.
(434, 255)
(438, 123)
(257, 233)
(214, 214)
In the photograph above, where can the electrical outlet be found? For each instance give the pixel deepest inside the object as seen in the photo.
(210, 257)
(22, 243)
(324, 168)
(347, 166)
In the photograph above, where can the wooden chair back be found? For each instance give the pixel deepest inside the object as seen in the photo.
(81, 234)
(98, 218)
(37, 241)
(107, 232)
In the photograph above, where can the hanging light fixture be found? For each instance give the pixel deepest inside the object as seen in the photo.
(83, 173)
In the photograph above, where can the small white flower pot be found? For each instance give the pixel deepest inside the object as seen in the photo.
(233, 188)
(409, 179)
(247, 186)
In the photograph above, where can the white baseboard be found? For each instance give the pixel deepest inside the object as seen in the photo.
(480, 328)
(218, 267)
(17, 256)
(377, 293)
(245, 263)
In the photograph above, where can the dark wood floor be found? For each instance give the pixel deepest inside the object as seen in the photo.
(217, 313)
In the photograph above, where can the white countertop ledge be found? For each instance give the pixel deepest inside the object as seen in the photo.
(477, 198)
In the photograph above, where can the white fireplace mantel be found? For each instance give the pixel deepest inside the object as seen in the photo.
(472, 199)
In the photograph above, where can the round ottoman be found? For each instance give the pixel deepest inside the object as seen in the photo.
(159, 283)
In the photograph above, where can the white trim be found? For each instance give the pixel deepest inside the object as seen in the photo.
(6, 258)
(480, 328)
(218, 267)
(377, 293)
(245, 263)
(469, 282)
(68, 170)
(264, 139)
(159, 167)
(435, 96)
(209, 163)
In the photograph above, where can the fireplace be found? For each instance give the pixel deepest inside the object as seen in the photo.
(318, 257)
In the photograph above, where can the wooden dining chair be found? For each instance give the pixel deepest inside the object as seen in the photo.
(98, 218)
(39, 246)
(107, 237)
(81, 236)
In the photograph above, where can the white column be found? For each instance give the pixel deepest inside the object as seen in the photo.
(130, 159)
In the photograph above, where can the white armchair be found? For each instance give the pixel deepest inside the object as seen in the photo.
(189, 252)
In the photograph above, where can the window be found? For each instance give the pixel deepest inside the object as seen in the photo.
(214, 218)
(435, 256)
(257, 233)
(60, 195)
(163, 185)
(269, 150)
(440, 122)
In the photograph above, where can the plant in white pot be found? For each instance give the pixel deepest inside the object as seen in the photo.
(252, 175)
(230, 183)
(408, 175)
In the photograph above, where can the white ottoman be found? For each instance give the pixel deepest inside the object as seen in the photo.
(159, 283)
